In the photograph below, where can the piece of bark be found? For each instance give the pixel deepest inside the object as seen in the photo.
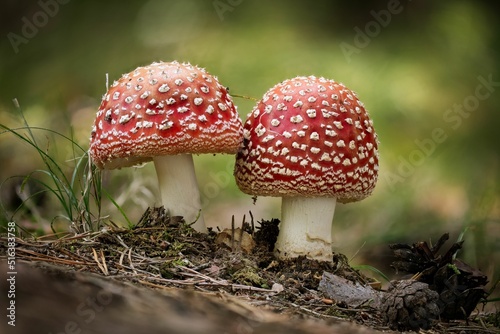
(351, 293)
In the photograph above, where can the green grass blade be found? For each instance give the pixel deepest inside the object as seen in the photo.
(371, 268)
(108, 196)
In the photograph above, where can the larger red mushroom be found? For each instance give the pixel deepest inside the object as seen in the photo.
(166, 112)
(310, 141)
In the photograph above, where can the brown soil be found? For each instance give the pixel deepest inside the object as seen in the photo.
(163, 276)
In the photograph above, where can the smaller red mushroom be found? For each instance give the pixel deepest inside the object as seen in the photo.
(310, 141)
(166, 112)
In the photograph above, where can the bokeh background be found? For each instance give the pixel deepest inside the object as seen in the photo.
(428, 72)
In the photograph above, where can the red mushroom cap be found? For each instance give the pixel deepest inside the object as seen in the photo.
(308, 137)
(163, 109)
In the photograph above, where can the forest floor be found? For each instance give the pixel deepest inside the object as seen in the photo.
(162, 276)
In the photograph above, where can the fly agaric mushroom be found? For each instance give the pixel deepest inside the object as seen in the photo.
(310, 141)
(165, 112)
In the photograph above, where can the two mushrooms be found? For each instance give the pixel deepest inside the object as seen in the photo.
(309, 140)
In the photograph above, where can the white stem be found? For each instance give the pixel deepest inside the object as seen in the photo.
(179, 189)
(306, 228)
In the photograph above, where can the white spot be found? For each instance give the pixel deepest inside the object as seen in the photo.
(260, 130)
(210, 109)
(325, 103)
(152, 101)
(328, 143)
(170, 101)
(268, 108)
(267, 138)
(316, 166)
(129, 99)
(192, 126)
(311, 113)
(198, 100)
(163, 88)
(296, 145)
(182, 110)
(325, 157)
(335, 96)
(346, 162)
(298, 104)
(184, 97)
(301, 133)
(138, 106)
(204, 89)
(150, 112)
(315, 150)
(341, 143)
(178, 82)
(287, 134)
(338, 125)
(222, 106)
(314, 136)
(294, 159)
(275, 122)
(352, 145)
(116, 95)
(285, 151)
(349, 121)
(126, 118)
(153, 81)
(147, 124)
(287, 98)
(296, 119)
(281, 106)
(330, 132)
(336, 160)
(202, 118)
(369, 146)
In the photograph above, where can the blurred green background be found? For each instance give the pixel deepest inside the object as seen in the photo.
(428, 72)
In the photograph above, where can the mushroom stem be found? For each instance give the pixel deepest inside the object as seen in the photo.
(306, 227)
(179, 188)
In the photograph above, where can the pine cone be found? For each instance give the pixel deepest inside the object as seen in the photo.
(410, 305)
